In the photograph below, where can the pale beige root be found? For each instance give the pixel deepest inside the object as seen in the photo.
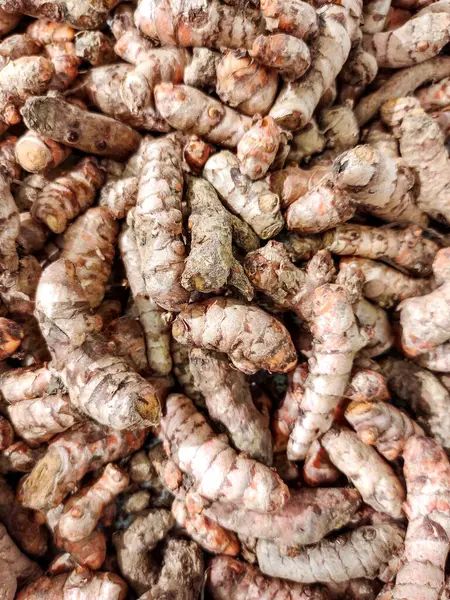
(11, 336)
(301, 247)
(80, 14)
(211, 265)
(251, 200)
(158, 223)
(381, 184)
(38, 420)
(169, 476)
(382, 425)
(306, 142)
(68, 195)
(181, 576)
(69, 457)
(23, 568)
(355, 589)
(252, 338)
(28, 383)
(323, 207)
(134, 544)
(424, 392)
(9, 232)
(50, 32)
(363, 552)
(376, 319)
(407, 118)
(21, 523)
(95, 47)
(367, 386)
(318, 470)
(182, 372)
(6, 433)
(187, 435)
(290, 56)
(201, 72)
(284, 418)
(195, 153)
(338, 124)
(137, 502)
(65, 62)
(427, 474)
(51, 116)
(308, 516)
(121, 20)
(375, 15)
(208, 534)
(258, 148)
(359, 70)
(19, 458)
(89, 245)
(400, 84)
(20, 79)
(229, 402)
(336, 340)
(26, 194)
(35, 153)
(128, 336)
(16, 46)
(192, 111)
(384, 285)
(295, 17)
(8, 21)
(408, 248)
(435, 96)
(437, 359)
(292, 182)
(372, 476)
(420, 39)
(272, 273)
(83, 510)
(297, 102)
(215, 25)
(154, 320)
(8, 582)
(80, 584)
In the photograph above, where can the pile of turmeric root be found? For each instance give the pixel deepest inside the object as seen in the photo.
(224, 300)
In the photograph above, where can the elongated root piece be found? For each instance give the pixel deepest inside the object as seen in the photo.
(258, 147)
(28, 383)
(289, 55)
(36, 154)
(372, 476)
(83, 510)
(69, 457)
(182, 371)
(292, 182)
(251, 200)
(6, 433)
(318, 470)
(363, 552)
(128, 337)
(427, 474)
(230, 578)
(264, 342)
(268, 491)
(285, 417)
(23, 568)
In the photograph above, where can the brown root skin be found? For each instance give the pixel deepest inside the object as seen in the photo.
(251, 200)
(258, 148)
(16, 46)
(306, 142)
(371, 475)
(11, 335)
(245, 84)
(266, 343)
(128, 337)
(95, 47)
(8, 21)
(191, 111)
(318, 470)
(28, 383)
(201, 72)
(19, 458)
(290, 56)
(35, 153)
(182, 372)
(294, 17)
(69, 457)
(68, 124)
(212, 230)
(196, 153)
(6, 434)
(269, 494)
(229, 402)
(23, 568)
(9, 231)
(435, 96)
(230, 578)
(367, 386)
(292, 182)
(284, 418)
(8, 582)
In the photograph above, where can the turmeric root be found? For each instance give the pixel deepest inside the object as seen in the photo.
(11, 335)
(435, 96)
(367, 386)
(23, 568)
(19, 458)
(8, 21)
(95, 47)
(6, 434)
(292, 182)
(28, 383)
(52, 117)
(69, 457)
(196, 153)
(423, 391)
(35, 153)
(363, 552)
(284, 418)
(264, 342)
(318, 470)
(70, 194)
(258, 148)
(437, 359)
(286, 53)
(83, 510)
(182, 372)
(8, 582)
(212, 231)
(295, 17)
(252, 201)
(65, 62)
(270, 494)
(16, 46)
(382, 425)
(128, 337)
(158, 223)
(408, 248)
(427, 474)
(244, 84)
(153, 319)
(306, 142)
(229, 401)
(371, 475)
(334, 348)
(230, 578)
(192, 111)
